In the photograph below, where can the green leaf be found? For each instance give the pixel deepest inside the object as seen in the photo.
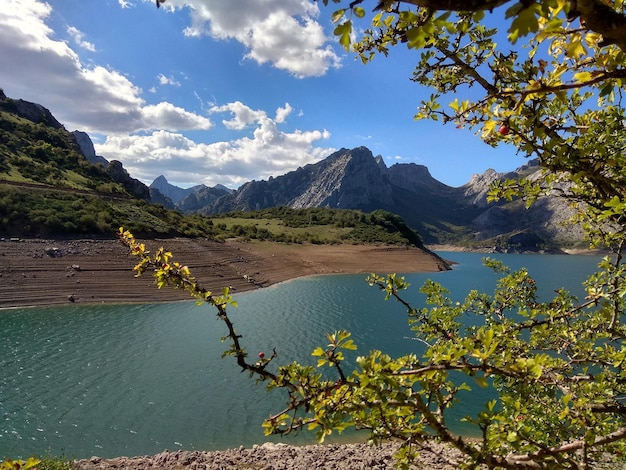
(337, 15)
(482, 382)
(359, 12)
(525, 23)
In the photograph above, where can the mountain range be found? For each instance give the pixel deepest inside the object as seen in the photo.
(356, 179)
(346, 179)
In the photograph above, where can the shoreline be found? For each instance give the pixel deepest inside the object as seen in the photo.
(38, 273)
(48, 273)
(283, 456)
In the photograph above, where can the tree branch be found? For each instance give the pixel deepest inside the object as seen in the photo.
(594, 14)
(569, 447)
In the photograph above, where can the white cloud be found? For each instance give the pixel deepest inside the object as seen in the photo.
(284, 33)
(243, 115)
(163, 80)
(148, 137)
(37, 67)
(167, 116)
(268, 151)
(283, 113)
(79, 38)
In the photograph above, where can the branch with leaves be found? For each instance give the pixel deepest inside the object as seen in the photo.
(595, 15)
(556, 369)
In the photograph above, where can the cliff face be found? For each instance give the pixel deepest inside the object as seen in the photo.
(351, 178)
(87, 148)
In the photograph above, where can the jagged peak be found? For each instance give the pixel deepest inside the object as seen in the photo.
(159, 180)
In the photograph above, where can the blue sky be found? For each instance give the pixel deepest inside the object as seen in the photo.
(205, 91)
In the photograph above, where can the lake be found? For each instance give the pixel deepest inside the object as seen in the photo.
(115, 380)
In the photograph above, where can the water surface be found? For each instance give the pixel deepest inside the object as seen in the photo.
(136, 379)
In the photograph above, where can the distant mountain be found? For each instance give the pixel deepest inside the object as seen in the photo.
(173, 192)
(355, 179)
(188, 200)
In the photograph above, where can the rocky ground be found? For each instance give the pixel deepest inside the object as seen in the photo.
(278, 457)
(64, 272)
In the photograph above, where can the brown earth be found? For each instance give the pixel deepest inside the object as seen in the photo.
(62, 272)
(280, 457)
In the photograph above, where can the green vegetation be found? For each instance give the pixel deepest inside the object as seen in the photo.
(318, 225)
(556, 367)
(46, 212)
(49, 212)
(43, 463)
(39, 154)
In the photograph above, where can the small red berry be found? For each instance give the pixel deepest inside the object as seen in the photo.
(261, 354)
(504, 130)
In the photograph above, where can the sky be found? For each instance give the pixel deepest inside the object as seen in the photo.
(224, 92)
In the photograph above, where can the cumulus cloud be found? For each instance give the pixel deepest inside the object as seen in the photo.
(282, 113)
(266, 152)
(40, 65)
(36, 66)
(243, 116)
(284, 33)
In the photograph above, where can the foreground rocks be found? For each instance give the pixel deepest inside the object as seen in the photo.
(277, 457)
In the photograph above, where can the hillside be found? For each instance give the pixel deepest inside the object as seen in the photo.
(52, 184)
(49, 188)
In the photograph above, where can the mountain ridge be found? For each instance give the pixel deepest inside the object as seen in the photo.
(356, 179)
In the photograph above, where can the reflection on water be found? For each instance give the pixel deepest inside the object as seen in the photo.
(132, 380)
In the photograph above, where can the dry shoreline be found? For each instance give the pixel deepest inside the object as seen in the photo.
(65, 272)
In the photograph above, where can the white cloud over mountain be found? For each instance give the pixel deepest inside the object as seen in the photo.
(39, 64)
(269, 152)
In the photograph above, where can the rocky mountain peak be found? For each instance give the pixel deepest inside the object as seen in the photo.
(414, 177)
(87, 148)
(172, 192)
(32, 111)
(351, 178)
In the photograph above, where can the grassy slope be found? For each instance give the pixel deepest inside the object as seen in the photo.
(49, 189)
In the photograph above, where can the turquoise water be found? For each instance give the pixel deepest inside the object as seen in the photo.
(137, 379)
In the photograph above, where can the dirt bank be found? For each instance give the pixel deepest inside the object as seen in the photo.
(276, 457)
(63, 272)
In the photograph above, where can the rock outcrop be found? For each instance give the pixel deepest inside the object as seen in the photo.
(32, 111)
(87, 148)
(135, 187)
